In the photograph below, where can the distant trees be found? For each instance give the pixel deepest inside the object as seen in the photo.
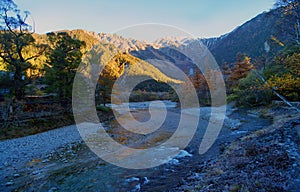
(64, 57)
(205, 84)
(281, 3)
(15, 42)
(187, 88)
(290, 24)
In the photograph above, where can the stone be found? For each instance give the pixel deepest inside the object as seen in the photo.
(16, 175)
(53, 189)
(35, 173)
(45, 161)
(10, 183)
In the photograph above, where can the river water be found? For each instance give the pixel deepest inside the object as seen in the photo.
(90, 173)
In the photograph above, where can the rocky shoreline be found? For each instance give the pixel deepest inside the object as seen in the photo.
(266, 160)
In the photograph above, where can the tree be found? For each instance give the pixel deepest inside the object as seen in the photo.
(287, 80)
(186, 96)
(198, 79)
(282, 82)
(241, 69)
(15, 41)
(64, 58)
(111, 72)
(226, 70)
(251, 91)
(205, 84)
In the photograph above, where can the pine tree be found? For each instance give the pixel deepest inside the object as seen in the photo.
(63, 59)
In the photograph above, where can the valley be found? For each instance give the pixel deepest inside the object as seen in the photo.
(84, 110)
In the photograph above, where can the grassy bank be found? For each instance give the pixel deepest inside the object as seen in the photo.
(33, 126)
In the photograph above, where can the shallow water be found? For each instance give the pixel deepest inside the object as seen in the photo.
(90, 173)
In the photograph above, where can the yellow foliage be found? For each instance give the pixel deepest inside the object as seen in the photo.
(277, 41)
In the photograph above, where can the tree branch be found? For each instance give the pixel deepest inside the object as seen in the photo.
(276, 93)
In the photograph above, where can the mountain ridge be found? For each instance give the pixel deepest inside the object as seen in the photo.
(248, 38)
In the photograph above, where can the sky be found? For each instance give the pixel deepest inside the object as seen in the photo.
(201, 18)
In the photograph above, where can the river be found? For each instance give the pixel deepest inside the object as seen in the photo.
(87, 172)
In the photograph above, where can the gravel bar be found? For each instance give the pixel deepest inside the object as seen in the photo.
(16, 153)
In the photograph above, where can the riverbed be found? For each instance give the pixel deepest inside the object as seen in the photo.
(70, 165)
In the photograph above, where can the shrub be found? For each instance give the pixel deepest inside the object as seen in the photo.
(250, 92)
(103, 108)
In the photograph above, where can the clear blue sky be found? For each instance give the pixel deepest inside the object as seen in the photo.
(202, 18)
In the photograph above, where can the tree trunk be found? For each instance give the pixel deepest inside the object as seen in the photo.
(276, 93)
(298, 32)
(18, 87)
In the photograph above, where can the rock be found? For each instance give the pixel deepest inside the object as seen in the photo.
(183, 153)
(146, 180)
(16, 175)
(53, 189)
(45, 161)
(132, 179)
(89, 186)
(298, 130)
(253, 115)
(35, 173)
(10, 183)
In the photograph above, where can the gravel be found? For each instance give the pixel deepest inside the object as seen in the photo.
(16, 153)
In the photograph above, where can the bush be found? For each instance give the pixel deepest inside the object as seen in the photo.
(250, 92)
(103, 108)
(140, 96)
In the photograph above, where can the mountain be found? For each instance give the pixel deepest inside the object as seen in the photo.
(124, 44)
(173, 41)
(79, 34)
(163, 54)
(172, 55)
(123, 66)
(137, 70)
(250, 38)
(274, 28)
(135, 67)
